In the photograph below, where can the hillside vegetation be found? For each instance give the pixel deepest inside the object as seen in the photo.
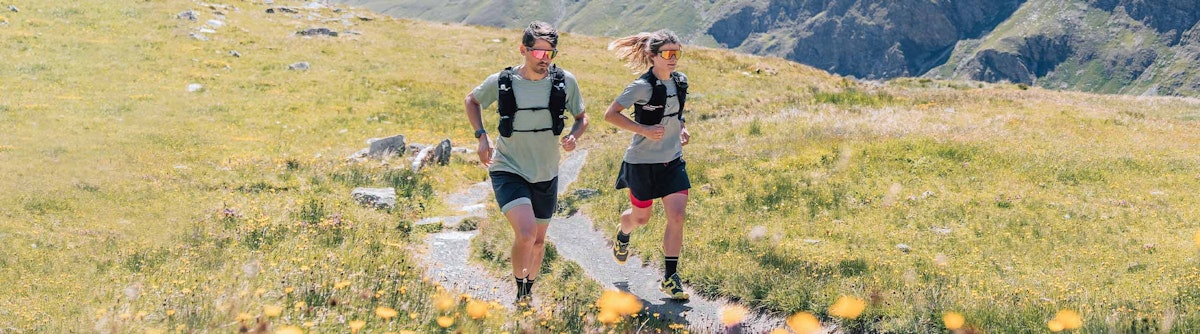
(130, 204)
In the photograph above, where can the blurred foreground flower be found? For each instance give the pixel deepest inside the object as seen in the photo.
(1069, 319)
(290, 330)
(615, 304)
(620, 302)
(356, 325)
(847, 307)
(385, 312)
(272, 311)
(804, 323)
(443, 302)
(732, 315)
(477, 309)
(953, 320)
(445, 321)
(1054, 325)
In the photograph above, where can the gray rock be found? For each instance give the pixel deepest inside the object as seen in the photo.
(13, 8)
(192, 88)
(301, 66)
(586, 193)
(235, 53)
(379, 198)
(216, 24)
(360, 155)
(387, 146)
(442, 153)
(274, 10)
(189, 15)
(904, 248)
(941, 230)
(317, 32)
(198, 36)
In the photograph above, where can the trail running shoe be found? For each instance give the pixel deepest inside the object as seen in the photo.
(672, 287)
(620, 250)
(524, 300)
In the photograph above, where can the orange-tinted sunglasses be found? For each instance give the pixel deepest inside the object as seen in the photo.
(670, 54)
(543, 54)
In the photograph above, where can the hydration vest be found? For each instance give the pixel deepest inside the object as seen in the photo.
(651, 112)
(507, 104)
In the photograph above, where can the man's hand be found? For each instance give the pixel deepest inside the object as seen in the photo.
(684, 136)
(568, 142)
(654, 132)
(485, 151)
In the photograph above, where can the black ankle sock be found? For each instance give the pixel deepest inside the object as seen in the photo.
(672, 263)
(520, 285)
(621, 236)
(527, 286)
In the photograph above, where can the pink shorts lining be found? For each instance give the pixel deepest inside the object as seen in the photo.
(640, 204)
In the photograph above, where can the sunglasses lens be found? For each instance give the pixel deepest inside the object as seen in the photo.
(544, 54)
(670, 54)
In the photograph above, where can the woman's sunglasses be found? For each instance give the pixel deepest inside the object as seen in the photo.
(543, 54)
(670, 54)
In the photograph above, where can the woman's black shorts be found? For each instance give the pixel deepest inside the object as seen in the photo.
(650, 181)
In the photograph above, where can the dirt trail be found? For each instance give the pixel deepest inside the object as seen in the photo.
(576, 240)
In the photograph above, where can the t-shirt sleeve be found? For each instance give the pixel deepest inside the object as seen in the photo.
(488, 91)
(637, 92)
(574, 97)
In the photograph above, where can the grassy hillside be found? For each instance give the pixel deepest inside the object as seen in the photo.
(129, 204)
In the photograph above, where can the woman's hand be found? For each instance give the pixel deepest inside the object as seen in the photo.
(684, 136)
(654, 132)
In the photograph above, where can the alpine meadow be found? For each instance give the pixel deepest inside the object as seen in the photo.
(178, 166)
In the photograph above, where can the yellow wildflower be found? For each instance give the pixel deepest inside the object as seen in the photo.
(385, 312)
(272, 311)
(1054, 325)
(1069, 319)
(804, 323)
(477, 309)
(847, 307)
(732, 315)
(290, 330)
(443, 302)
(953, 320)
(445, 321)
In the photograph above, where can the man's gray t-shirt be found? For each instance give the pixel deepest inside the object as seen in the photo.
(642, 150)
(532, 155)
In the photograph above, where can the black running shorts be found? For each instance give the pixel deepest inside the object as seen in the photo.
(651, 181)
(512, 190)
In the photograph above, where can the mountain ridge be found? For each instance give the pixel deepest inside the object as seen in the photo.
(1103, 46)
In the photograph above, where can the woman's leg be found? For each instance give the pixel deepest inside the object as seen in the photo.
(636, 216)
(675, 206)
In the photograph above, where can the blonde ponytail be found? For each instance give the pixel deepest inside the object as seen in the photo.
(638, 50)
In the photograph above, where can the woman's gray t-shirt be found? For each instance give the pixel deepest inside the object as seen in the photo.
(642, 150)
